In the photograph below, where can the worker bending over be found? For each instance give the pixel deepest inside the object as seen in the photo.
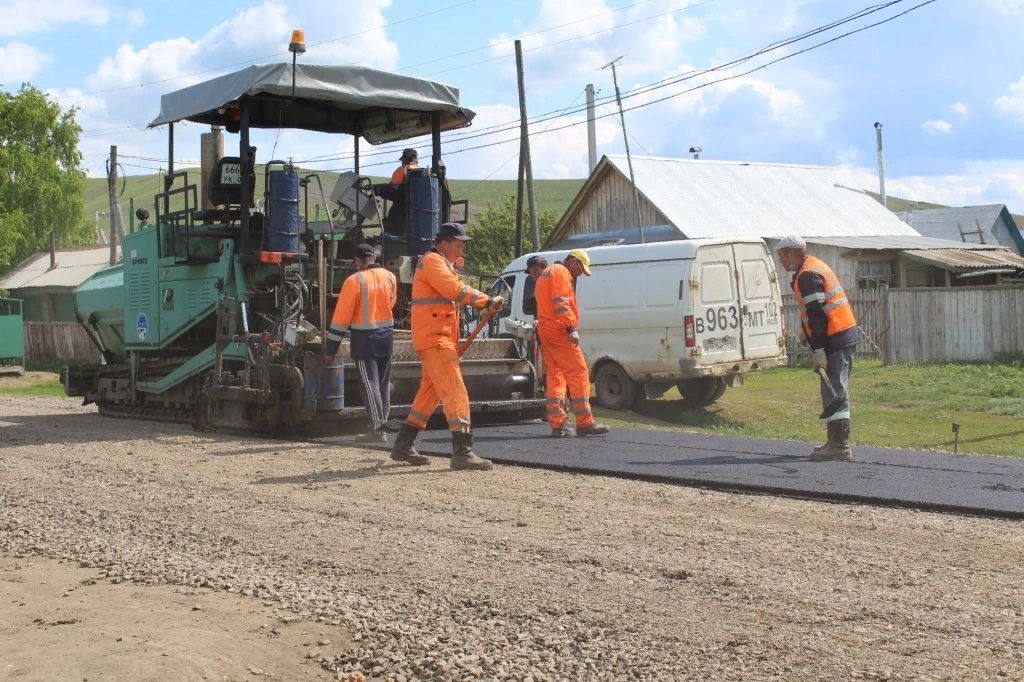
(365, 305)
(437, 293)
(832, 334)
(558, 319)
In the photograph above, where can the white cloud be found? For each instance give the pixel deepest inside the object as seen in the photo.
(1011, 105)
(24, 16)
(937, 127)
(961, 110)
(978, 182)
(20, 62)
(1006, 6)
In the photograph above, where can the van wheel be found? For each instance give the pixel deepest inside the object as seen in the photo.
(701, 391)
(613, 387)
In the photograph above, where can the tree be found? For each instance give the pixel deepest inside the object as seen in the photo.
(41, 180)
(494, 234)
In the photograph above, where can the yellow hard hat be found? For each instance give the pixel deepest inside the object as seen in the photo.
(583, 258)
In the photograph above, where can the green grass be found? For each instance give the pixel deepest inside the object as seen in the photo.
(47, 388)
(907, 406)
(551, 195)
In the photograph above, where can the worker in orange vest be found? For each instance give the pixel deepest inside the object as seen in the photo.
(410, 159)
(365, 307)
(832, 333)
(437, 293)
(558, 319)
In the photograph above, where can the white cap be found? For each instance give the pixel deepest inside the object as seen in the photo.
(791, 241)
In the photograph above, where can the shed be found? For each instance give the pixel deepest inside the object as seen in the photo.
(992, 224)
(866, 244)
(46, 281)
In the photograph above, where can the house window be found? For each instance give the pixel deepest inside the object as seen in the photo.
(872, 274)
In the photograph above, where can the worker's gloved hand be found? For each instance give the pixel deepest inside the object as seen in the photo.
(574, 337)
(497, 302)
(819, 359)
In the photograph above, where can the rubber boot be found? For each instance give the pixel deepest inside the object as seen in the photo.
(463, 457)
(594, 429)
(832, 430)
(838, 449)
(404, 451)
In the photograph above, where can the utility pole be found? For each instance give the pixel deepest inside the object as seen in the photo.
(116, 222)
(881, 164)
(524, 148)
(591, 129)
(625, 138)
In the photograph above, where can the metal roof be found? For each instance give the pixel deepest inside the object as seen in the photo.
(900, 242)
(966, 262)
(743, 199)
(74, 266)
(994, 221)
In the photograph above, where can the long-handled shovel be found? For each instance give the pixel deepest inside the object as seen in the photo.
(481, 323)
(837, 400)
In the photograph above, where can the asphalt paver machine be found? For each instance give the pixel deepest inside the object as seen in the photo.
(216, 313)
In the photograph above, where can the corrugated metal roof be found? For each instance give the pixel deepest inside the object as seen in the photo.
(942, 222)
(739, 199)
(900, 242)
(74, 266)
(963, 260)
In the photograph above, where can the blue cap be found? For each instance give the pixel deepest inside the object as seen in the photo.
(453, 231)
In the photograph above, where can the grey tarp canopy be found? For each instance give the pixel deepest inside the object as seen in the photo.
(378, 105)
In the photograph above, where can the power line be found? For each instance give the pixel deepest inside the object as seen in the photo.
(657, 85)
(696, 87)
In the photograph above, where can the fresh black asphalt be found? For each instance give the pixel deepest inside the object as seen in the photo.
(971, 484)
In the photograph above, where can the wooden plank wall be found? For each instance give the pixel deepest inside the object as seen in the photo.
(60, 340)
(611, 206)
(954, 324)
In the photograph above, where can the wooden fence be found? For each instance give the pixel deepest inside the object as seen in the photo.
(953, 324)
(867, 308)
(60, 340)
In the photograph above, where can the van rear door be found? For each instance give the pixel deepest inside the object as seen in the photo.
(759, 301)
(716, 312)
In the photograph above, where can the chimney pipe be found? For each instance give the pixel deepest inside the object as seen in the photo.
(881, 165)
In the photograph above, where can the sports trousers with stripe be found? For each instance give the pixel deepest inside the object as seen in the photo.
(375, 387)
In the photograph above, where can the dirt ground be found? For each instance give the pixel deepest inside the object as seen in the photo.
(354, 563)
(26, 379)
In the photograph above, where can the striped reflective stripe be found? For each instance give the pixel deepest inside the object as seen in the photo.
(560, 310)
(462, 292)
(458, 422)
(554, 400)
(554, 410)
(816, 296)
(434, 300)
(578, 401)
(546, 273)
(836, 304)
(560, 299)
(415, 414)
(369, 326)
(364, 296)
(333, 335)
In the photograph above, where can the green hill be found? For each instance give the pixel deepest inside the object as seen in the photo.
(552, 195)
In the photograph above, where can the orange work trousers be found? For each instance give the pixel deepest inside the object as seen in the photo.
(441, 381)
(566, 368)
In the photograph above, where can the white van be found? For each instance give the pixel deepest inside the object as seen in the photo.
(696, 314)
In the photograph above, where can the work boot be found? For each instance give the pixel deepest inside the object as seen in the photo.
(372, 437)
(463, 456)
(563, 431)
(404, 451)
(594, 429)
(838, 449)
(832, 430)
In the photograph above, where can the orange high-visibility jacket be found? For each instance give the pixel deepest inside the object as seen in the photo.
(366, 302)
(437, 293)
(398, 177)
(834, 301)
(556, 299)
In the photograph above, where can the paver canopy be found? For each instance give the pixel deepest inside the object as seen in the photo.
(379, 105)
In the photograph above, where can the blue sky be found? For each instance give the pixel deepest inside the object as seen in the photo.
(943, 79)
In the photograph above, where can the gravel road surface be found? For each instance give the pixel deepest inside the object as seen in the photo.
(426, 574)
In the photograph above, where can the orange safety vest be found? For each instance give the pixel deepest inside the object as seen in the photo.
(366, 301)
(556, 299)
(437, 293)
(834, 301)
(398, 177)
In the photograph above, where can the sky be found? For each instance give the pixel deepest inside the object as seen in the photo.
(944, 80)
